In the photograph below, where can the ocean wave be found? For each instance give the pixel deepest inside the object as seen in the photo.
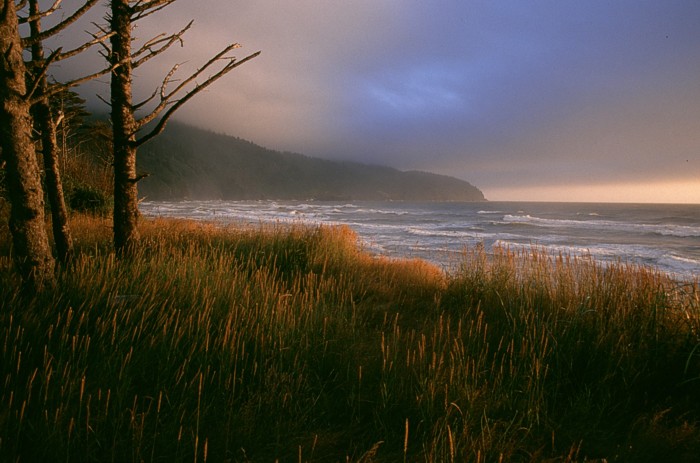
(440, 233)
(470, 235)
(695, 263)
(683, 231)
(555, 249)
(397, 213)
(677, 266)
(665, 240)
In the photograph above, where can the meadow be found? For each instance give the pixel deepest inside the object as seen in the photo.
(291, 343)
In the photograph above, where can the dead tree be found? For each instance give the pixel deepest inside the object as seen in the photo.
(30, 241)
(32, 252)
(127, 128)
(43, 118)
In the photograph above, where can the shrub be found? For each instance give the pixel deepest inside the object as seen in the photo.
(89, 199)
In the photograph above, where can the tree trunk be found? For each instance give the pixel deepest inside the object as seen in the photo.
(124, 124)
(49, 146)
(30, 241)
(124, 127)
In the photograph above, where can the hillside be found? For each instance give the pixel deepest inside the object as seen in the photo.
(188, 162)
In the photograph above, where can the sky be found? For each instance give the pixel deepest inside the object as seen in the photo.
(554, 100)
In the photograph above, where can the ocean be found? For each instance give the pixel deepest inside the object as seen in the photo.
(663, 236)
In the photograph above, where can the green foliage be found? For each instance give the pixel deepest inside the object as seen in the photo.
(85, 166)
(216, 344)
(89, 199)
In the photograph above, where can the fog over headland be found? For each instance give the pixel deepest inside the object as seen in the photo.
(558, 100)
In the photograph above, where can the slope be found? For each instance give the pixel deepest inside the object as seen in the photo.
(186, 162)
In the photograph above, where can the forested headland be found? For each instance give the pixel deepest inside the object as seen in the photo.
(186, 162)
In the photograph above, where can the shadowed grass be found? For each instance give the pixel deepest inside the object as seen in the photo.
(235, 344)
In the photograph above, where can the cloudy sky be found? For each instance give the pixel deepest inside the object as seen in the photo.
(560, 100)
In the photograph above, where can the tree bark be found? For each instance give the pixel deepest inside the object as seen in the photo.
(31, 249)
(49, 147)
(124, 128)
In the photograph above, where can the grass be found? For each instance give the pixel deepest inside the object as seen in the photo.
(291, 344)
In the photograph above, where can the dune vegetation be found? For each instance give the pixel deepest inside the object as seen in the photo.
(293, 344)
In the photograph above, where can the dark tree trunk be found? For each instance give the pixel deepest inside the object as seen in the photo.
(30, 241)
(124, 124)
(54, 186)
(124, 128)
(45, 123)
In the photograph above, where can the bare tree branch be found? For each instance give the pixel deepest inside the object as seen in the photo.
(106, 52)
(143, 103)
(225, 70)
(200, 71)
(166, 98)
(97, 40)
(154, 41)
(142, 5)
(101, 28)
(40, 75)
(146, 8)
(41, 14)
(163, 44)
(61, 25)
(41, 66)
(168, 78)
(102, 99)
(57, 88)
(82, 80)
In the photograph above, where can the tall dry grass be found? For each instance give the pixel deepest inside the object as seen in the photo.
(290, 343)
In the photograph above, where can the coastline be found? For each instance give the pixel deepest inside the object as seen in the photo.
(440, 232)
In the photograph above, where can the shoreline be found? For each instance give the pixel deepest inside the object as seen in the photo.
(404, 231)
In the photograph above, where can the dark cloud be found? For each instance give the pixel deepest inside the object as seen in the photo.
(529, 95)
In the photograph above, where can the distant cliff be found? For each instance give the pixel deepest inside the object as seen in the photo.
(190, 163)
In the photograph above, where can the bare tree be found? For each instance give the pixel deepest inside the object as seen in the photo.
(127, 128)
(43, 120)
(17, 96)
(43, 116)
(31, 245)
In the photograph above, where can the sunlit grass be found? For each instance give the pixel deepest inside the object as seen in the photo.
(289, 342)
